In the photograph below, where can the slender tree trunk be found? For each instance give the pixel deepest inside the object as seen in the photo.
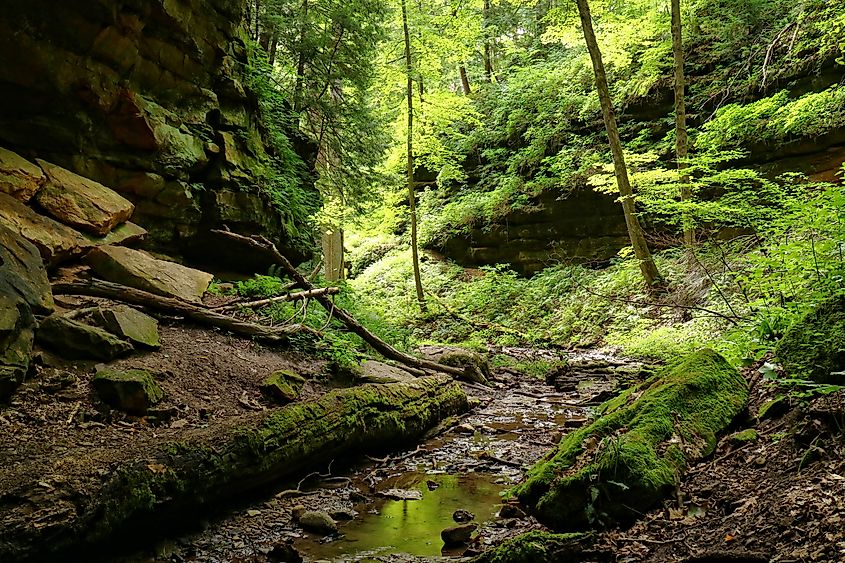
(299, 85)
(681, 142)
(412, 203)
(626, 193)
(274, 46)
(464, 80)
(488, 55)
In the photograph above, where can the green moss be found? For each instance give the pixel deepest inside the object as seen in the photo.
(534, 547)
(744, 436)
(283, 385)
(132, 390)
(629, 458)
(814, 346)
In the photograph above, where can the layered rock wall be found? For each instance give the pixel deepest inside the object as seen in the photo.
(146, 97)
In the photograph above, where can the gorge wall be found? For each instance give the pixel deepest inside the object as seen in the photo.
(147, 97)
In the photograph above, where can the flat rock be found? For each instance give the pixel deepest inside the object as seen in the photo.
(75, 340)
(19, 177)
(129, 323)
(457, 535)
(56, 242)
(400, 494)
(81, 203)
(135, 268)
(318, 522)
(133, 391)
(380, 372)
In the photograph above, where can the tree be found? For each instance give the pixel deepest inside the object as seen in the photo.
(626, 193)
(412, 204)
(681, 141)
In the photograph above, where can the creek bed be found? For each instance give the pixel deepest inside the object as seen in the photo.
(466, 466)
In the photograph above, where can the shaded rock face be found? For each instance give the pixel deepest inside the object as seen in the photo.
(146, 97)
(24, 291)
(581, 227)
(75, 340)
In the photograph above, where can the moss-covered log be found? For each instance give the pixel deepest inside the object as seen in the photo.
(209, 465)
(634, 454)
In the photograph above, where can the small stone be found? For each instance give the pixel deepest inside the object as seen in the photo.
(343, 514)
(457, 535)
(465, 429)
(253, 513)
(462, 515)
(133, 391)
(431, 484)
(400, 494)
(743, 437)
(285, 553)
(511, 511)
(283, 385)
(318, 522)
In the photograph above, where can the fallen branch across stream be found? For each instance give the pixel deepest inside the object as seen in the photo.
(171, 305)
(379, 345)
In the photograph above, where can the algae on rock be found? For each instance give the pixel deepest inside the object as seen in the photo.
(634, 454)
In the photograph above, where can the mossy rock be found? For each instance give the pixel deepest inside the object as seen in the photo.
(631, 457)
(773, 408)
(535, 547)
(77, 341)
(132, 391)
(744, 436)
(283, 385)
(476, 366)
(814, 346)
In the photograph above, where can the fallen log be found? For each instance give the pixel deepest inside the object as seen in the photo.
(299, 296)
(379, 345)
(151, 487)
(171, 305)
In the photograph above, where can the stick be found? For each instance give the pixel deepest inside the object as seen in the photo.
(374, 341)
(171, 305)
(287, 297)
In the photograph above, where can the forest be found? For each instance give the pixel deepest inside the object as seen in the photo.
(501, 281)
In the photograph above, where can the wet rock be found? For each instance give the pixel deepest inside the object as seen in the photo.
(133, 391)
(462, 516)
(400, 494)
(318, 522)
(130, 324)
(457, 535)
(432, 485)
(19, 178)
(467, 429)
(75, 340)
(81, 203)
(283, 386)
(343, 514)
(511, 511)
(284, 552)
(138, 269)
(627, 460)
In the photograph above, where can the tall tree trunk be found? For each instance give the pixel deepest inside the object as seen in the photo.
(274, 46)
(681, 142)
(299, 85)
(488, 54)
(464, 80)
(626, 193)
(412, 200)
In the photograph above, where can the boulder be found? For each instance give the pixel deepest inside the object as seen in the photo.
(24, 290)
(77, 341)
(132, 391)
(130, 324)
(631, 457)
(378, 372)
(318, 522)
(57, 242)
(19, 178)
(135, 268)
(476, 366)
(283, 386)
(81, 203)
(457, 535)
(814, 346)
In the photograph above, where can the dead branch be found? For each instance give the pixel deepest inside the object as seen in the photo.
(279, 298)
(171, 305)
(483, 325)
(379, 345)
